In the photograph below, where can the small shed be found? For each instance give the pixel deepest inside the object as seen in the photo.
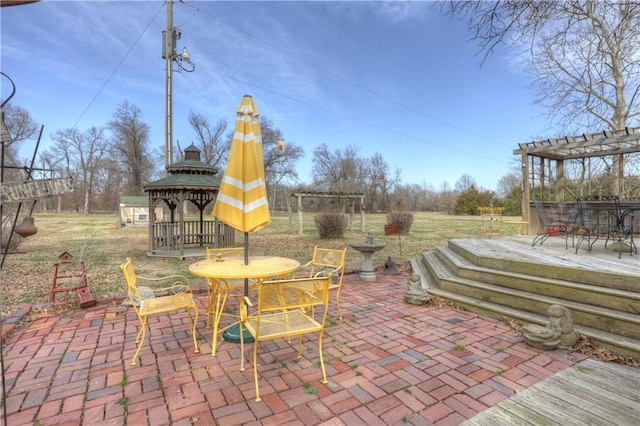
(134, 210)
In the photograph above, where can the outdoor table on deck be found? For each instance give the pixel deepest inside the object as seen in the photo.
(223, 275)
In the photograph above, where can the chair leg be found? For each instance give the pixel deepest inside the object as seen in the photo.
(140, 338)
(324, 373)
(194, 323)
(338, 304)
(255, 369)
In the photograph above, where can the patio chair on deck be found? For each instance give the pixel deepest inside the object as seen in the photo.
(562, 224)
(178, 297)
(286, 308)
(323, 262)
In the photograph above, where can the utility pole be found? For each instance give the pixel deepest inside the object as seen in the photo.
(168, 51)
(169, 37)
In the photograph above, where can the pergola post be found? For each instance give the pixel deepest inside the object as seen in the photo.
(560, 181)
(526, 192)
(619, 159)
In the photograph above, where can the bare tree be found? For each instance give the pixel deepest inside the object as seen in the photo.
(130, 147)
(464, 183)
(279, 165)
(210, 139)
(381, 183)
(82, 154)
(21, 126)
(342, 170)
(583, 54)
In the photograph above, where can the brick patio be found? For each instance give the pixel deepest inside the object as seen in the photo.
(387, 362)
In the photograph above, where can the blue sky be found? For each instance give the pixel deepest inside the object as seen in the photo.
(387, 77)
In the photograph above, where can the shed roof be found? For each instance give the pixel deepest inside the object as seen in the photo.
(599, 144)
(134, 199)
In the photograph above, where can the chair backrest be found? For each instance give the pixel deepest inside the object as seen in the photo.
(297, 293)
(220, 252)
(132, 283)
(542, 213)
(328, 259)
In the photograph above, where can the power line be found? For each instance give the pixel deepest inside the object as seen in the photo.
(344, 79)
(376, 126)
(117, 67)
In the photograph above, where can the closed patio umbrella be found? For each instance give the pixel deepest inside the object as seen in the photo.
(242, 199)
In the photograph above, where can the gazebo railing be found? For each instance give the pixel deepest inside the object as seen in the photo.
(166, 236)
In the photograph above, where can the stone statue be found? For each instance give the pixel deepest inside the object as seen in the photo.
(416, 295)
(558, 333)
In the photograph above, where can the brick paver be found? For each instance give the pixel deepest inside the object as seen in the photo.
(387, 362)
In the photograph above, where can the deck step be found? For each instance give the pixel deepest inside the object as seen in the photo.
(605, 297)
(491, 277)
(503, 254)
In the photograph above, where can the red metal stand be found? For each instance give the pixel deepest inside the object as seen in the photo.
(66, 269)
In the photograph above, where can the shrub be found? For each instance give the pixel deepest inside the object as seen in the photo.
(331, 225)
(404, 219)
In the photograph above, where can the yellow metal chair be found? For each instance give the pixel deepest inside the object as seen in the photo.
(326, 261)
(179, 298)
(286, 308)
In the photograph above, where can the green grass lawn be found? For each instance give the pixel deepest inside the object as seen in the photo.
(103, 245)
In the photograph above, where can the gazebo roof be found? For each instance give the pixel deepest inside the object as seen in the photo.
(190, 173)
(583, 146)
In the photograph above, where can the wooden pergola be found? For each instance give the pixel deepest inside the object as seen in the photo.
(332, 194)
(539, 158)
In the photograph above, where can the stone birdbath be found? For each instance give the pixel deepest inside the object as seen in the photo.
(367, 248)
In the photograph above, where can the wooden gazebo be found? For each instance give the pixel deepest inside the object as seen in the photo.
(189, 182)
(543, 165)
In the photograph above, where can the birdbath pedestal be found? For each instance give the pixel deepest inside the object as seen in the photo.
(367, 272)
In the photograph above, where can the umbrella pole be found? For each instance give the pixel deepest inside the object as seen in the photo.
(232, 333)
(246, 262)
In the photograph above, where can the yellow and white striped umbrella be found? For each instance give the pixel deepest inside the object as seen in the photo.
(242, 199)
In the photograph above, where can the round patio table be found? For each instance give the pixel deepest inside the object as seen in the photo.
(226, 275)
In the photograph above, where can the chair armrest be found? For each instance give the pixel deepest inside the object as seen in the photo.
(180, 283)
(244, 311)
(326, 272)
(300, 270)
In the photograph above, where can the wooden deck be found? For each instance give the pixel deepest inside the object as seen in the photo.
(553, 253)
(589, 393)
